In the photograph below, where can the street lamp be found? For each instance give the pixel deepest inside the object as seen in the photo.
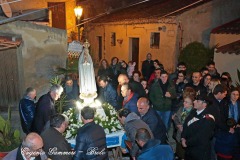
(78, 13)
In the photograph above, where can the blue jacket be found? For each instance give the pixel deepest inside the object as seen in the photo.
(109, 95)
(132, 104)
(26, 112)
(155, 151)
(155, 123)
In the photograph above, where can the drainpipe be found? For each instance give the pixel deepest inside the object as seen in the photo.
(180, 27)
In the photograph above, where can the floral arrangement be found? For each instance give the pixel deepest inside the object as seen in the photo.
(110, 122)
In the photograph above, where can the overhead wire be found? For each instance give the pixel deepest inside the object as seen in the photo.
(11, 19)
(10, 2)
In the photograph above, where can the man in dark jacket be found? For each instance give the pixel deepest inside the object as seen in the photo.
(219, 108)
(198, 130)
(107, 92)
(91, 138)
(197, 85)
(27, 110)
(54, 141)
(132, 122)
(147, 67)
(45, 108)
(152, 119)
(152, 148)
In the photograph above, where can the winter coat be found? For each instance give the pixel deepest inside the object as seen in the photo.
(53, 139)
(198, 131)
(154, 150)
(44, 110)
(158, 100)
(109, 95)
(132, 104)
(91, 136)
(155, 123)
(131, 124)
(147, 68)
(27, 113)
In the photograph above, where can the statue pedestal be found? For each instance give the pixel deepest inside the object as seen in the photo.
(88, 98)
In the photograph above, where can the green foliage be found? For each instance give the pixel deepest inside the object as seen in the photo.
(61, 103)
(65, 71)
(55, 80)
(196, 56)
(9, 138)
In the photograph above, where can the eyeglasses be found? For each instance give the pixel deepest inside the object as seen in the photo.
(182, 67)
(187, 102)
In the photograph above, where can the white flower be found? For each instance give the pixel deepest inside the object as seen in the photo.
(106, 130)
(68, 135)
(109, 122)
(113, 129)
(119, 126)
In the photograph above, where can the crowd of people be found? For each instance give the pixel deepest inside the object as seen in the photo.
(203, 107)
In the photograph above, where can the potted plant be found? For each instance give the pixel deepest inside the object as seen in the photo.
(9, 137)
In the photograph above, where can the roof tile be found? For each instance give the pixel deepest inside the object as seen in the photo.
(151, 9)
(232, 27)
(230, 48)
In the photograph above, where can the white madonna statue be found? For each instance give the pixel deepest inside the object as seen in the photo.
(88, 89)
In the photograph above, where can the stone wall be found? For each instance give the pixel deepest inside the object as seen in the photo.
(197, 23)
(39, 4)
(165, 53)
(228, 63)
(43, 49)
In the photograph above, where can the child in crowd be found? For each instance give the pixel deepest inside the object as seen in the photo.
(145, 85)
(131, 68)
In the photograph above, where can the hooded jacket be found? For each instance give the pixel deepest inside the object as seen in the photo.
(131, 124)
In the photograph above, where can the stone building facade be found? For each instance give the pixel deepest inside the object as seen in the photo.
(174, 25)
(41, 51)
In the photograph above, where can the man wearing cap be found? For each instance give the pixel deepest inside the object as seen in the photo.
(198, 130)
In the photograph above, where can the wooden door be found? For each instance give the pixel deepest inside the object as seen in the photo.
(135, 51)
(99, 48)
(9, 83)
(58, 13)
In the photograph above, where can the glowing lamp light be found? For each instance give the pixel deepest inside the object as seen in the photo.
(98, 103)
(79, 105)
(78, 11)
